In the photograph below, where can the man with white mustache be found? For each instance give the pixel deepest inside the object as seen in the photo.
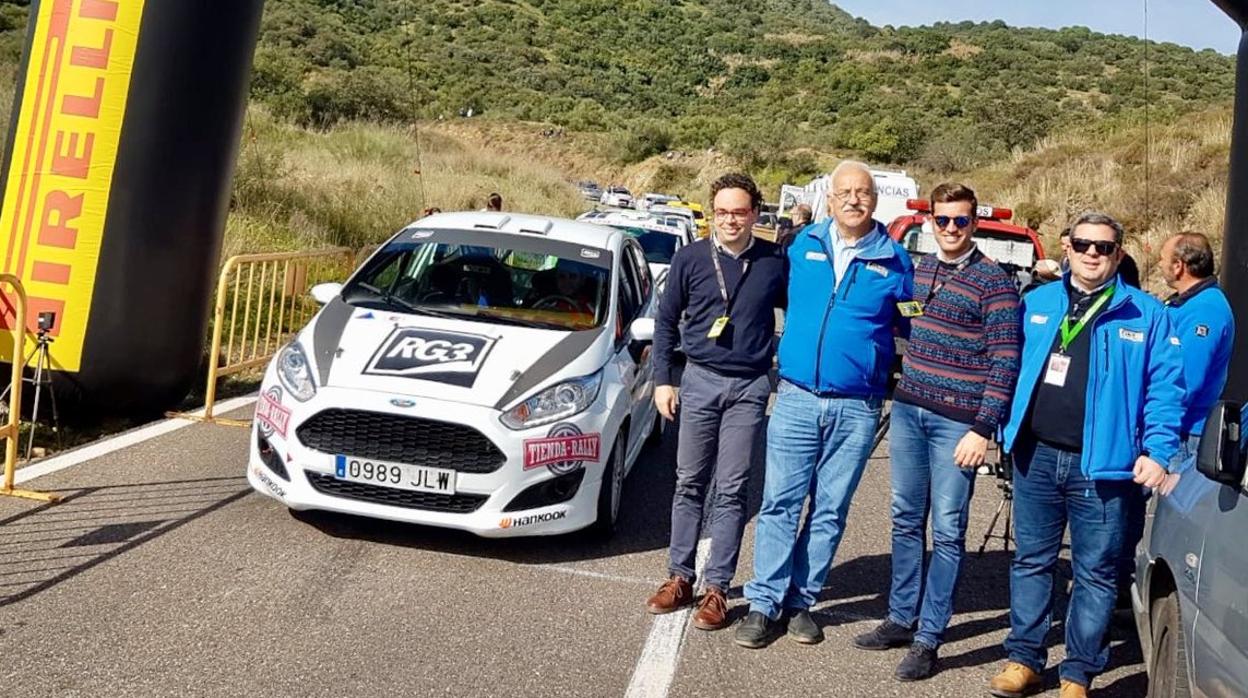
(848, 283)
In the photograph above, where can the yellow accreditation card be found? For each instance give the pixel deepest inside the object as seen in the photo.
(718, 328)
(910, 308)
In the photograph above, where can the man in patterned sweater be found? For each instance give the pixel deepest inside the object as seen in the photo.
(957, 378)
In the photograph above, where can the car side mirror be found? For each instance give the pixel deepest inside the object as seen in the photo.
(642, 329)
(324, 293)
(1220, 457)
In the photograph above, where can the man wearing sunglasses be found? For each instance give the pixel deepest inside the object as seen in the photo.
(1095, 415)
(956, 381)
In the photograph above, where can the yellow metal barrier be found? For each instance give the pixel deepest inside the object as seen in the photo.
(271, 293)
(9, 431)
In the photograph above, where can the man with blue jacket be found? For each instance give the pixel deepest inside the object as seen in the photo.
(1095, 415)
(848, 286)
(1201, 319)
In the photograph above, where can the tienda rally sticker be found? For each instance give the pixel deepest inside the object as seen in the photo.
(270, 414)
(563, 450)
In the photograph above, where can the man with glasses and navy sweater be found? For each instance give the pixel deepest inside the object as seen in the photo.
(1096, 413)
(957, 378)
(726, 288)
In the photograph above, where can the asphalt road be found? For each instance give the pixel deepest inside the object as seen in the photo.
(162, 574)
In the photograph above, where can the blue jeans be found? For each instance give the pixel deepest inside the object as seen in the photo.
(816, 446)
(926, 480)
(1050, 490)
(721, 419)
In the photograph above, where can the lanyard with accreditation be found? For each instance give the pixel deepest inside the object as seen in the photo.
(914, 309)
(721, 322)
(1059, 361)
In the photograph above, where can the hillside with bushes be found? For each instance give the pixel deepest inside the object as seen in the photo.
(664, 95)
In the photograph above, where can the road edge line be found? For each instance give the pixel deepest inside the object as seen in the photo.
(113, 444)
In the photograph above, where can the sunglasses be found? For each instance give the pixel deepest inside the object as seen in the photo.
(942, 222)
(1103, 247)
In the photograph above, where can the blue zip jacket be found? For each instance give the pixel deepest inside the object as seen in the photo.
(841, 341)
(1135, 378)
(1203, 322)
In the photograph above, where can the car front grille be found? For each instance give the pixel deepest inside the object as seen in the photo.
(429, 501)
(401, 439)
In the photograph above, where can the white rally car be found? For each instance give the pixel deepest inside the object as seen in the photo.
(659, 240)
(481, 371)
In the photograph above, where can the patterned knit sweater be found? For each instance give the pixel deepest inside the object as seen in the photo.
(962, 361)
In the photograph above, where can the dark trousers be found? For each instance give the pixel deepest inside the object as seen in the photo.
(721, 422)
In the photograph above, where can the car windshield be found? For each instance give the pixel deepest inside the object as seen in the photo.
(657, 245)
(487, 277)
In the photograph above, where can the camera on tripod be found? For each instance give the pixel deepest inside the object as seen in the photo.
(45, 321)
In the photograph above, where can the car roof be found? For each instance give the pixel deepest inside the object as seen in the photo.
(524, 225)
(678, 210)
(643, 222)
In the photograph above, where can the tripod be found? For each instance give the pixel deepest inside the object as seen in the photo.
(1004, 471)
(42, 377)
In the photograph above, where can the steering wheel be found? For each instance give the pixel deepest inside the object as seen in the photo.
(556, 301)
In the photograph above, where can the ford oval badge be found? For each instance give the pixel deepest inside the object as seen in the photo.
(399, 402)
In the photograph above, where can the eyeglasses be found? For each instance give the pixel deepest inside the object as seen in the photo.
(942, 222)
(847, 194)
(1103, 247)
(739, 214)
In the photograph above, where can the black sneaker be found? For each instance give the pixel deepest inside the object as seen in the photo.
(918, 664)
(803, 628)
(755, 631)
(886, 636)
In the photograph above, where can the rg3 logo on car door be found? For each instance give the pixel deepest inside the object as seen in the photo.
(445, 357)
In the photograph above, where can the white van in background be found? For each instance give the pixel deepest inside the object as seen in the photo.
(894, 187)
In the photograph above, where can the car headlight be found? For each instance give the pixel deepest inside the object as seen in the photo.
(295, 373)
(554, 403)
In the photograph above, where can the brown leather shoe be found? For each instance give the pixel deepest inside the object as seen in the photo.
(674, 594)
(1070, 689)
(1015, 681)
(712, 611)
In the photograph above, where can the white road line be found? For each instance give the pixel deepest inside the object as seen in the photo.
(130, 438)
(598, 575)
(656, 667)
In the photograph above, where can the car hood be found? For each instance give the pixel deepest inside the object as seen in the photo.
(456, 360)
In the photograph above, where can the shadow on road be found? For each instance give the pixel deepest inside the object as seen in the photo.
(52, 543)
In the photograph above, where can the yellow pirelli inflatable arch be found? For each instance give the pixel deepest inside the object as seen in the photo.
(124, 134)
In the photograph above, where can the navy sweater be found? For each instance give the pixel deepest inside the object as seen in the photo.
(745, 347)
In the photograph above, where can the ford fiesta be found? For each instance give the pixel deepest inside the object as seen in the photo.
(481, 371)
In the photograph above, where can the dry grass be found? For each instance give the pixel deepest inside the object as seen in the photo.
(1174, 180)
(356, 184)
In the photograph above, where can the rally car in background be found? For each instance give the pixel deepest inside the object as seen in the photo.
(618, 197)
(480, 371)
(659, 239)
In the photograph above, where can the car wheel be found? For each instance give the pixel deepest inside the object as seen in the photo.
(610, 490)
(1168, 678)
